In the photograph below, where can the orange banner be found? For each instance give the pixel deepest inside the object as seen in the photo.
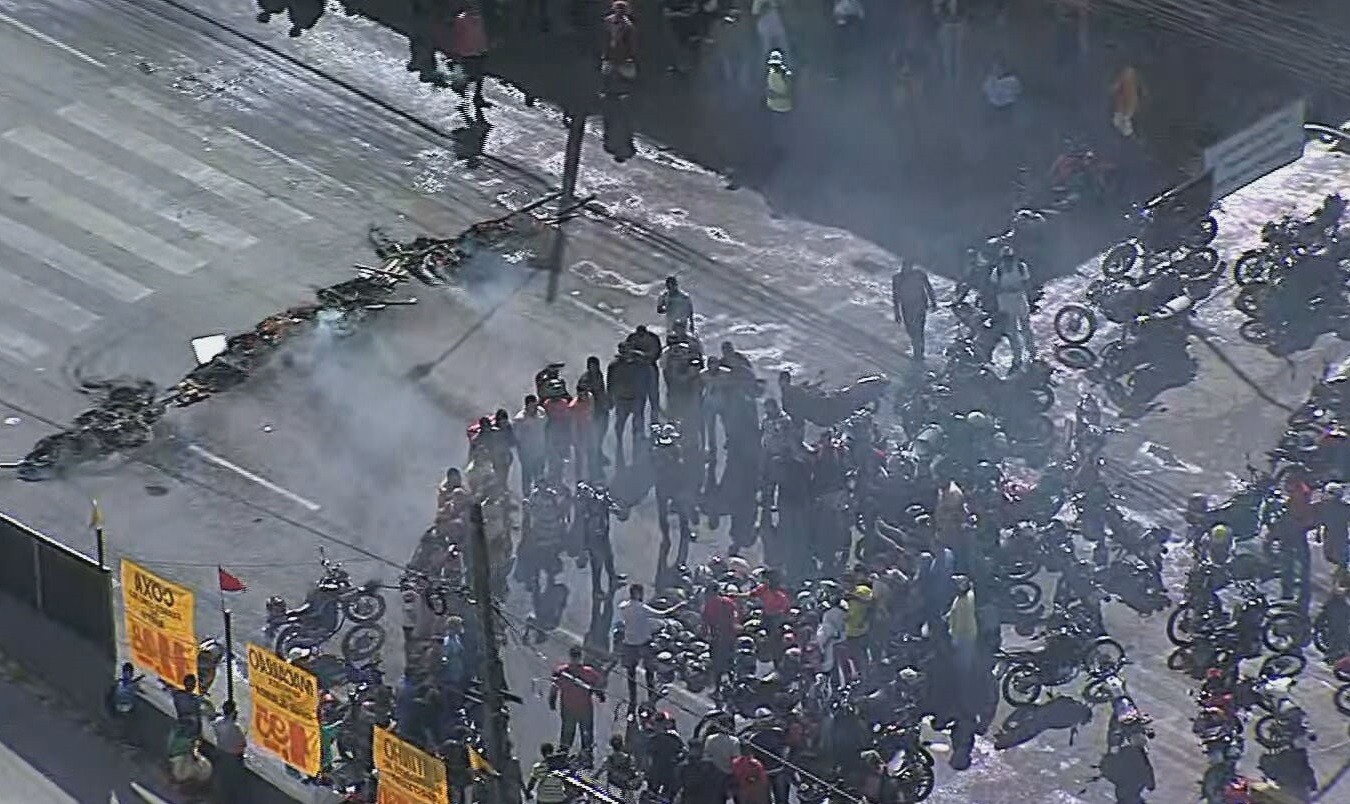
(408, 775)
(285, 710)
(160, 623)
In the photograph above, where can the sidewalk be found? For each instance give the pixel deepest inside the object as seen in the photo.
(48, 757)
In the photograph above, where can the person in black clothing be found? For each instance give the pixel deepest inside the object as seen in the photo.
(699, 782)
(769, 740)
(187, 706)
(593, 507)
(648, 346)
(627, 388)
(912, 299)
(593, 380)
(665, 752)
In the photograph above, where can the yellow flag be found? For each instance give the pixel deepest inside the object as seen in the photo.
(96, 516)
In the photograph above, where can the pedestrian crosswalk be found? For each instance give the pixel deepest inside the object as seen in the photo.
(103, 203)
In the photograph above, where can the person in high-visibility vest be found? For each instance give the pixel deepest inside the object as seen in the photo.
(778, 100)
(778, 84)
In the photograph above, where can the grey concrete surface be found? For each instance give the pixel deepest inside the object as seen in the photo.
(354, 445)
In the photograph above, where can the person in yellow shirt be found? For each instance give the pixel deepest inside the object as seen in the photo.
(1126, 93)
(858, 625)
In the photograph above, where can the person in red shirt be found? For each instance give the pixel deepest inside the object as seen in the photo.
(749, 779)
(581, 411)
(469, 47)
(1292, 531)
(720, 620)
(574, 685)
(775, 600)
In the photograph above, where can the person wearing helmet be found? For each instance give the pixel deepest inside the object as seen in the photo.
(1012, 282)
(778, 101)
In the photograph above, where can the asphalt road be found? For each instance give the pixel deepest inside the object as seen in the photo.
(165, 180)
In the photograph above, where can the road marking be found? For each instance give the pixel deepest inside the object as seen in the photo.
(86, 216)
(44, 304)
(178, 163)
(42, 37)
(19, 346)
(128, 187)
(70, 262)
(154, 108)
(247, 475)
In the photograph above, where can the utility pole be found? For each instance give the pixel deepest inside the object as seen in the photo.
(576, 132)
(502, 783)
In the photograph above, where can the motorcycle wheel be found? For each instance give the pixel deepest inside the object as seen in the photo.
(1268, 732)
(1199, 265)
(916, 783)
(1283, 665)
(1075, 356)
(1250, 299)
(1019, 569)
(1021, 686)
(1180, 659)
(1038, 430)
(1203, 232)
(1075, 324)
(1096, 691)
(1024, 596)
(1179, 627)
(1284, 631)
(291, 635)
(1341, 699)
(1104, 657)
(1120, 260)
(362, 642)
(1255, 332)
(1042, 399)
(437, 600)
(1251, 267)
(365, 607)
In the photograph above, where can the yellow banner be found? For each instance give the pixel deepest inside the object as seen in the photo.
(408, 775)
(285, 710)
(159, 619)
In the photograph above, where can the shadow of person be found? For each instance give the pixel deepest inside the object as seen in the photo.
(1130, 772)
(1025, 723)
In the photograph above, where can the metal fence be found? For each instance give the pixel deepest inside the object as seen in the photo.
(68, 588)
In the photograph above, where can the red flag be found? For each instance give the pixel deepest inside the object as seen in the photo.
(228, 582)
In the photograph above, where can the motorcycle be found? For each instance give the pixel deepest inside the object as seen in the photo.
(809, 402)
(1067, 652)
(332, 602)
(1168, 230)
(1129, 725)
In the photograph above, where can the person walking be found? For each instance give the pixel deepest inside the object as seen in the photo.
(676, 306)
(1127, 92)
(469, 47)
(1012, 281)
(531, 443)
(639, 622)
(228, 767)
(769, 26)
(912, 298)
(963, 625)
(546, 784)
(576, 685)
(778, 100)
(625, 382)
(593, 381)
(951, 34)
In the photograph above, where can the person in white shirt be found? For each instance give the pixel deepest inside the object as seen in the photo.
(1002, 87)
(1012, 282)
(639, 621)
(830, 633)
(529, 425)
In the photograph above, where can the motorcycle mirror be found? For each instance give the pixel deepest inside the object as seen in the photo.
(206, 347)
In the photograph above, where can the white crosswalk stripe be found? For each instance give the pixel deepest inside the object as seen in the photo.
(129, 188)
(175, 161)
(57, 183)
(70, 262)
(43, 303)
(98, 223)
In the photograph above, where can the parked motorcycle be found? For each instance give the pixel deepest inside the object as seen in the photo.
(330, 604)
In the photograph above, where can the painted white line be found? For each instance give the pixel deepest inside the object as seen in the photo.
(247, 475)
(41, 302)
(42, 37)
(180, 164)
(20, 346)
(154, 108)
(127, 187)
(109, 228)
(146, 795)
(70, 262)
